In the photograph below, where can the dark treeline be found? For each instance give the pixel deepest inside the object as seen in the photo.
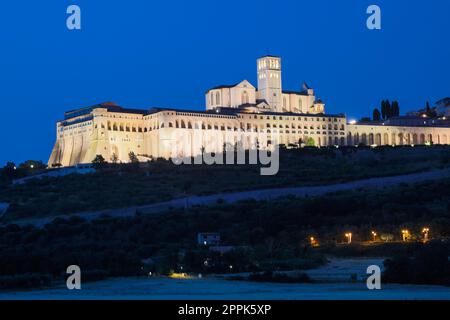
(267, 236)
(388, 110)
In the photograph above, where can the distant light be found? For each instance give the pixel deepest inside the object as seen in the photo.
(231, 267)
(32, 166)
(349, 237)
(15, 168)
(352, 122)
(424, 116)
(405, 234)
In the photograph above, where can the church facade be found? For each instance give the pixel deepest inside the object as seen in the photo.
(240, 114)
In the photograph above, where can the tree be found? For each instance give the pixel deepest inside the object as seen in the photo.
(133, 157)
(310, 142)
(428, 109)
(388, 109)
(383, 109)
(376, 115)
(99, 161)
(431, 112)
(114, 158)
(395, 109)
(33, 165)
(10, 170)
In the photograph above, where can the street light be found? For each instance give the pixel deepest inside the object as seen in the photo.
(348, 235)
(374, 235)
(313, 242)
(425, 232)
(405, 235)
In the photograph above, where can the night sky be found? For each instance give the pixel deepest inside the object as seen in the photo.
(143, 54)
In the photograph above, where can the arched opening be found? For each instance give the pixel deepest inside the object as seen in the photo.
(349, 139)
(245, 99)
(378, 139)
(422, 139)
(393, 139)
(401, 139)
(364, 139)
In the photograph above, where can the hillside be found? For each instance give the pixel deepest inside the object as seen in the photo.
(124, 185)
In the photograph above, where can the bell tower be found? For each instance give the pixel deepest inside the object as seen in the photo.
(269, 81)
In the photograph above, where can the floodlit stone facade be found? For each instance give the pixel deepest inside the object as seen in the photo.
(236, 115)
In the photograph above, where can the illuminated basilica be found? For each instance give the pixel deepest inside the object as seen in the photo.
(253, 117)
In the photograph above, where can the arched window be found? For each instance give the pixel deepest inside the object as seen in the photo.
(218, 98)
(212, 98)
(284, 102)
(245, 97)
(300, 104)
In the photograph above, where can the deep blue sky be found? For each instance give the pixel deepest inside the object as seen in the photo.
(142, 53)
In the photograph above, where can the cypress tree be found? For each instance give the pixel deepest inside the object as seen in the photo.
(388, 109)
(376, 115)
(395, 109)
(383, 109)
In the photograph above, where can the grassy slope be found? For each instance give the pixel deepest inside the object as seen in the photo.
(163, 181)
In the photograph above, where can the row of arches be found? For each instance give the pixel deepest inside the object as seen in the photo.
(215, 98)
(395, 138)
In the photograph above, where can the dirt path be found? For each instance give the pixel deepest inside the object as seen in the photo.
(259, 195)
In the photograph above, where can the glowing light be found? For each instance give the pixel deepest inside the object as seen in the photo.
(425, 232)
(352, 122)
(313, 242)
(348, 235)
(374, 235)
(405, 234)
(178, 276)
